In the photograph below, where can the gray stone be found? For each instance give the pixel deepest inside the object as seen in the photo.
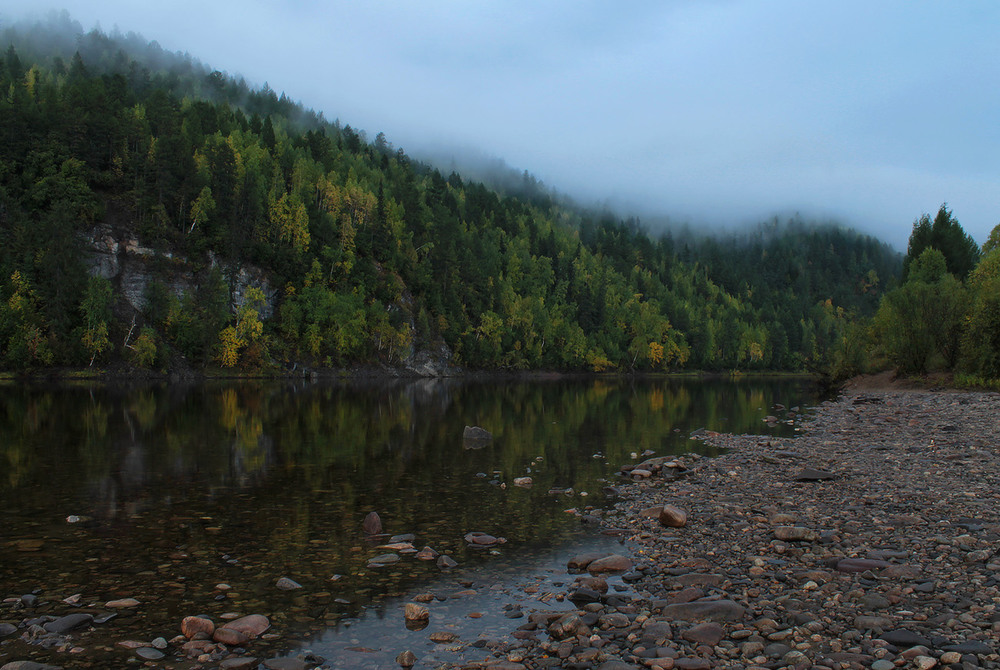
(29, 665)
(860, 564)
(813, 475)
(612, 563)
(476, 434)
(969, 647)
(705, 610)
(244, 663)
(149, 653)
(68, 623)
(795, 534)
(877, 623)
(286, 584)
(905, 638)
(776, 650)
(709, 633)
(384, 559)
(285, 664)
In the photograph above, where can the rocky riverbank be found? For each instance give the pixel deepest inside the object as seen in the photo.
(870, 541)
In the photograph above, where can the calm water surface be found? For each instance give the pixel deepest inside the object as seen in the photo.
(179, 490)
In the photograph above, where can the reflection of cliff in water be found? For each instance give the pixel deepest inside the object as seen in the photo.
(132, 447)
(146, 464)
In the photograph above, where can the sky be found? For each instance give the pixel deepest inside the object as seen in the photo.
(709, 112)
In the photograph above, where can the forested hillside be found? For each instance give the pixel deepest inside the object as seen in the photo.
(367, 256)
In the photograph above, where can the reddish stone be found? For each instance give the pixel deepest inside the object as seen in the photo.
(192, 625)
(860, 564)
(233, 638)
(253, 625)
(612, 563)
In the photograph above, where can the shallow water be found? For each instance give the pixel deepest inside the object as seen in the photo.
(163, 494)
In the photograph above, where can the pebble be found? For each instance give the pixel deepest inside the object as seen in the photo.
(879, 553)
(286, 584)
(122, 603)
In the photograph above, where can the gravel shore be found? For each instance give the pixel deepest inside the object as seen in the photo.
(870, 541)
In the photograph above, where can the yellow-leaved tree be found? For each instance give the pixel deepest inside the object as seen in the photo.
(243, 343)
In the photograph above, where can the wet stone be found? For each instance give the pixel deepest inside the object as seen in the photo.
(285, 664)
(122, 603)
(242, 663)
(192, 625)
(286, 584)
(253, 625)
(230, 636)
(581, 561)
(69, 622)
(372, 525)
(612, 563)
(149, 653)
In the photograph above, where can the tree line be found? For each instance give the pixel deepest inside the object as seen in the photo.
(376, 255)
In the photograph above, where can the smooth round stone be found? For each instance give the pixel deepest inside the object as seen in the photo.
(286, 584)
(883, 664)
(149, 653)
(252, 624)
(192, 625)
(232, 637)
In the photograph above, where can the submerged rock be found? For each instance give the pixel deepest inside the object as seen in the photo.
(193, 625)
(69, 622)
(253, 625)
(475, 434)
(286, 584)
(372, 525)
(478, 539)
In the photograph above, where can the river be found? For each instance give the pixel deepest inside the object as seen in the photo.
(197, 499)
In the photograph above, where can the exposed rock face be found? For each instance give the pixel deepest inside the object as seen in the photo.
(435, 361)
(132, 267)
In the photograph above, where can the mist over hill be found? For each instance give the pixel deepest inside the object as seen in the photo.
(160, 214)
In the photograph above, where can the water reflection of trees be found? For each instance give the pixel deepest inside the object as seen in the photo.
(231, 435)
(280, 475)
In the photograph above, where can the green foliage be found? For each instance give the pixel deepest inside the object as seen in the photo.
(22, 327)
(924, 317)
(144, 350)
(993, 241)
(96, 308)
(379, 254)
(981, 344)
(961, 253)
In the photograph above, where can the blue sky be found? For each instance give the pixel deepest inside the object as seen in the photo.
(706, 111)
